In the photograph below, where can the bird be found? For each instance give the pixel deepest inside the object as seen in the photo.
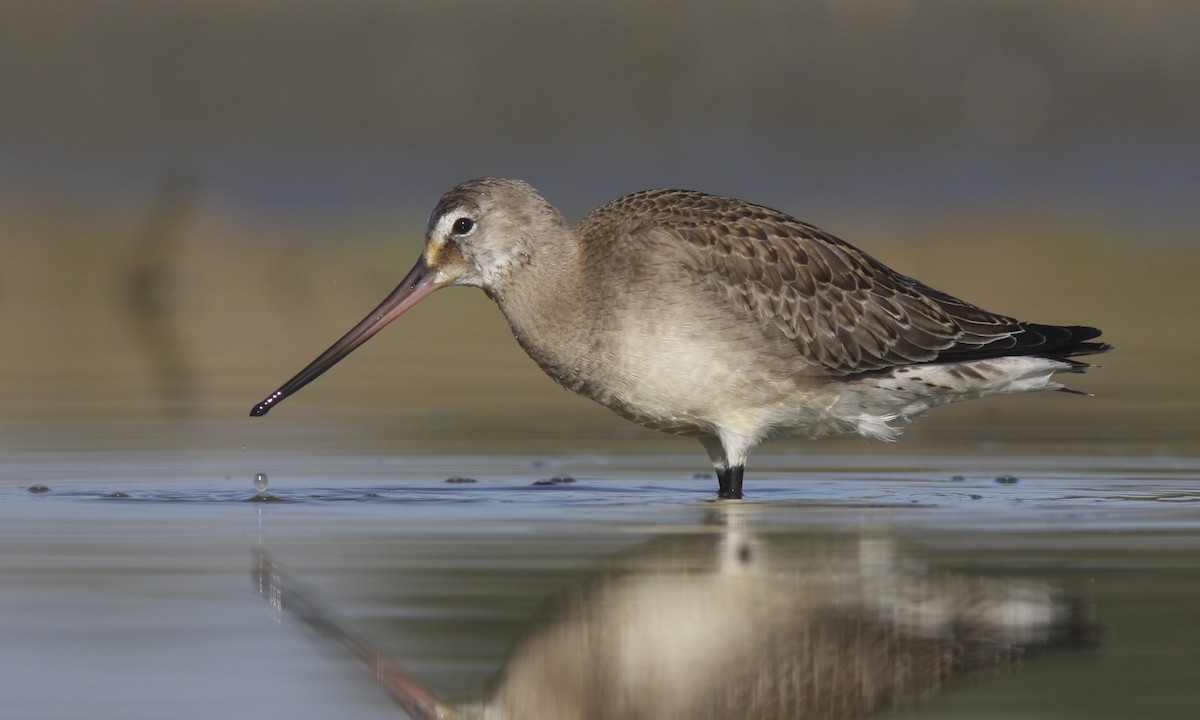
(711, 317)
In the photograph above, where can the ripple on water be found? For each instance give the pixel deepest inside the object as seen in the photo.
(899, 496)
(453, 490)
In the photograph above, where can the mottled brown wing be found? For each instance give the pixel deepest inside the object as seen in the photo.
(844, 311)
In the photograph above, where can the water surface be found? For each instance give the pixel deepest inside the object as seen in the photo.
(127, 587)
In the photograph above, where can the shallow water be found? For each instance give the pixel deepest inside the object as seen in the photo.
(127, 589)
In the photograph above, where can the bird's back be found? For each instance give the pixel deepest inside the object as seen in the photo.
(842, 310)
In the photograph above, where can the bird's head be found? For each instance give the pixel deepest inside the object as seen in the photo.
(480, 234)
(485, 230)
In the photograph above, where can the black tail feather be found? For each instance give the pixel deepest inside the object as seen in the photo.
(1053, 341)
(1083, 348)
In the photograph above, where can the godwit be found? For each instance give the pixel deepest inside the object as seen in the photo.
(707, 316)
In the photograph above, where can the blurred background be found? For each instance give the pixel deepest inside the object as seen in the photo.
(198, 196)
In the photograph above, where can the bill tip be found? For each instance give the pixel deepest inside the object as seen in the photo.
(261, 409)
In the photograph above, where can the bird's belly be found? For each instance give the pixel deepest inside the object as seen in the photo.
(677, 380)
(681, 380)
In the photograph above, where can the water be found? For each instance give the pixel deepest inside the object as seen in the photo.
(129, 593)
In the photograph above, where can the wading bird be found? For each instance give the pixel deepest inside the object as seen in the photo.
(717, 318)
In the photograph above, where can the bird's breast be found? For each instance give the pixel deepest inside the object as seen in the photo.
(670, 364)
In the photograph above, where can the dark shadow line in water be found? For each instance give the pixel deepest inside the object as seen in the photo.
(559, 493)
(801, 493)
(172, 496)
(1172, 498)
(400, 495)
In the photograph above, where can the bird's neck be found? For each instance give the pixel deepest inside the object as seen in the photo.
(545, 306)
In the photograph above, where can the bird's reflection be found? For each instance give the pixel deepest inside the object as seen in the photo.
(740, 624)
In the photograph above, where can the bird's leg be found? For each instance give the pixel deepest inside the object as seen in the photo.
(729, 480)
(729, 475)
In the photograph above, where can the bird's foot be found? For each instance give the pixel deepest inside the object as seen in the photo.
(729, 481)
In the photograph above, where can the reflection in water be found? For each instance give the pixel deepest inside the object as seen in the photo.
(150, 291)
(740, 624)
(418, 702)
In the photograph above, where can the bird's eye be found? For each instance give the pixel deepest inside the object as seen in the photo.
(463, 225)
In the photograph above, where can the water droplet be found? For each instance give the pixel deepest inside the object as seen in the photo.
(38, 488)
(260, 482)
(1007, 480)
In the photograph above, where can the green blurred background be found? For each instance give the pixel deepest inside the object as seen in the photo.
(198, 196)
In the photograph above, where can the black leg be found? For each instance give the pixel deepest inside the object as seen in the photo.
(729, 480)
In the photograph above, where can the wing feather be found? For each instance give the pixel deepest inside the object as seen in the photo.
(842, 309)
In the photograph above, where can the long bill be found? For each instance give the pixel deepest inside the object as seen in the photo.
(416, 285)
